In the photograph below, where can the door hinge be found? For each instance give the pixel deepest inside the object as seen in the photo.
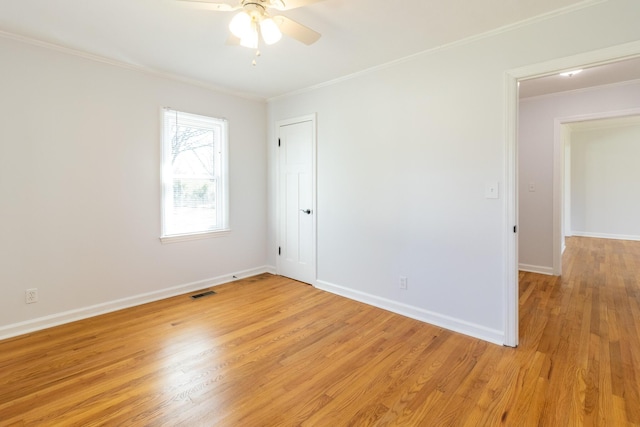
(278, 142)
(515, 228)
(279, 250)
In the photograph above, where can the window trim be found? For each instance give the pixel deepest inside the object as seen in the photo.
(175, 238)
(225, 229)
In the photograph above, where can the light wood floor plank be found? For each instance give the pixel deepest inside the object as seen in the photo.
(269, 351)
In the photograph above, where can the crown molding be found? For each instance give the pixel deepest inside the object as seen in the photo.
(446, 46)
(125, 65)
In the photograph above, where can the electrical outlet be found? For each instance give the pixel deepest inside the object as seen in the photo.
(31, 295)
(403, 282)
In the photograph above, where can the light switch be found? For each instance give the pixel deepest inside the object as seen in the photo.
(491, 190)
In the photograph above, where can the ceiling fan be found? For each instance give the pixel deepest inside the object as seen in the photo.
(253, 23)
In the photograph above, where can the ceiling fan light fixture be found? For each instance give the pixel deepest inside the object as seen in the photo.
(240, 26)
(270, 31)
(253, 22)
(250, 38)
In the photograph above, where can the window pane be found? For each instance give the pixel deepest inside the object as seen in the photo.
(194, 205)
(193, 152)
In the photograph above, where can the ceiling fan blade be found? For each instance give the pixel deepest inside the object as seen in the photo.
(291, 4)
(296, 30)
(211, 5)
(232, 40)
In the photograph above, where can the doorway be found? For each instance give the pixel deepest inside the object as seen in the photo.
(512, 77)
(598, 197)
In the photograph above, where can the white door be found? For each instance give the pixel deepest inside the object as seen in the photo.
(296, 195)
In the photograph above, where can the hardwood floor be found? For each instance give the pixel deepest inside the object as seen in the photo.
(268, 351)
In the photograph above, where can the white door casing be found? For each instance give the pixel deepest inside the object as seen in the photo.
(297, 199)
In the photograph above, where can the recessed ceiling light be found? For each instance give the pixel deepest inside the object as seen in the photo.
(570, 73)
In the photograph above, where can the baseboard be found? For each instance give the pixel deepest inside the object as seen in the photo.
(437, 319)
(536, 269)
(606, 235)
(57, 319)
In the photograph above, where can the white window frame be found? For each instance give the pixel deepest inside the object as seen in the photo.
(222, 190)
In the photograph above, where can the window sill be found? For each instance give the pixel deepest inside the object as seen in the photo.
(194, 236)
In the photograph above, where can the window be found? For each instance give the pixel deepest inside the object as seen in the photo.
(194, 178)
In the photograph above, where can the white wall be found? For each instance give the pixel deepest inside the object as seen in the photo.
(605, 178)
(535, 149)
(80, 189)
(404, 153)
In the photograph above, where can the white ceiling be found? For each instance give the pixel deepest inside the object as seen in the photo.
(614, 72)
(165, 36)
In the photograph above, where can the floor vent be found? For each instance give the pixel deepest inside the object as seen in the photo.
(203, 294)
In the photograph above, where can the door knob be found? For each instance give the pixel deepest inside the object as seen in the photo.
(308, 211)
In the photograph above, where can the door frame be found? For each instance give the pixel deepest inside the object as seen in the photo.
(278, 124)
(511, 77)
